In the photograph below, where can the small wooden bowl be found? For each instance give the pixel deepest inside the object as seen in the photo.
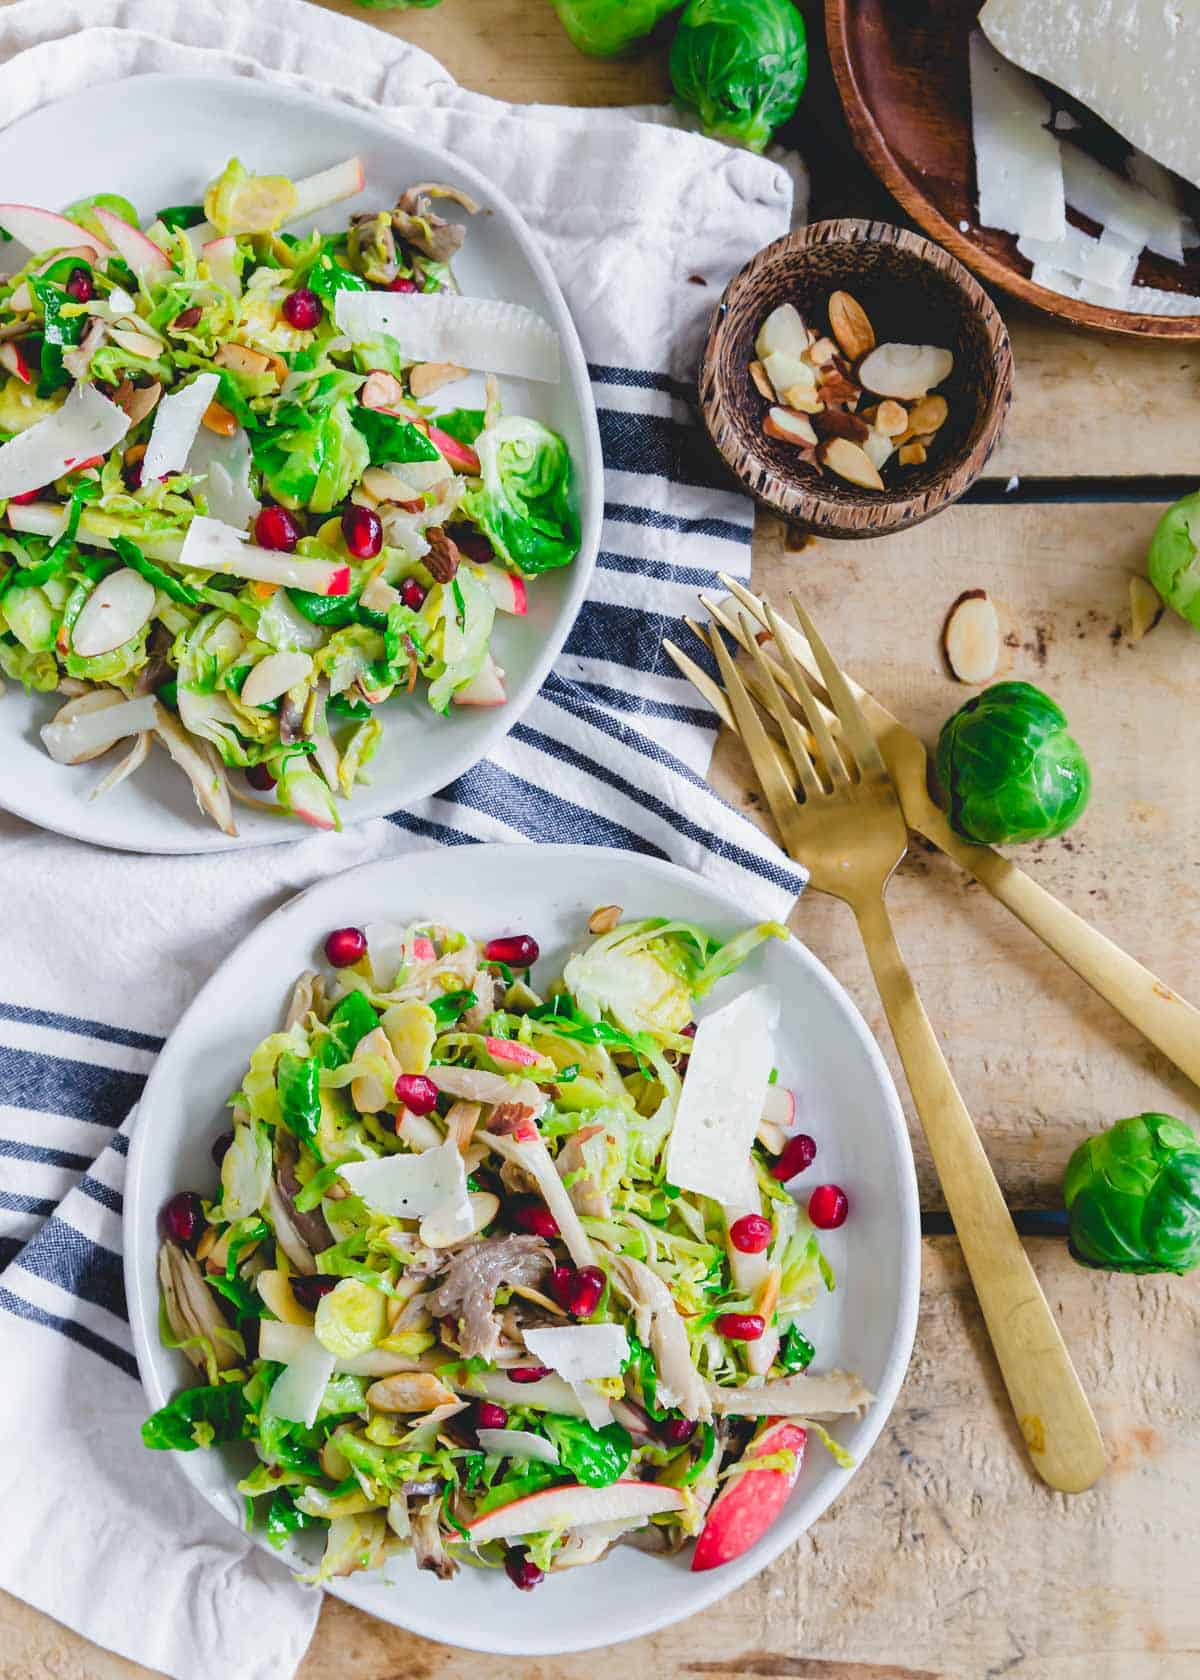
(913, 293)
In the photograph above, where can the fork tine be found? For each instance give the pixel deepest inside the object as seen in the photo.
(700, 680)
(758, 606)
(854, 725)
(840, 765)
(781, 795)
(781, 712)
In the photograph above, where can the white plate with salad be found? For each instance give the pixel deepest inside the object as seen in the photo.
(481, 1220)
(300, 480)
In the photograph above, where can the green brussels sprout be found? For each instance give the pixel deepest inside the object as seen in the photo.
(741, 65)
(1009, 768)
(605, 27)
(1133, 1197)
(1174, 558)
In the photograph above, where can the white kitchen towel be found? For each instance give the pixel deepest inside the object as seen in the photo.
(102, 951)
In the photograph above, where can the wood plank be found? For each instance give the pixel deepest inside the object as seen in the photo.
(946, 1559)
(1040, 1059)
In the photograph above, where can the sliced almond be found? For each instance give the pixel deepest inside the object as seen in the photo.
(971, 636)
(409, 1391)
(274, 675)
(438, 1230)
(849, 325)
(788, 427)
(605, 918)
(891, 418)
(905, 371)
(217, 418)
(137, 401)
(822, 352)
(878, 448)
(913, 454)
(784, 332)
(1145, 607)
(276, 1290)
(927, 415)
(136, 343)
(762, 384)
(836, 422)
(848, 461)
(428, 377)
(241, 359)
(767, 1298)
(382, 391)
(114, 612)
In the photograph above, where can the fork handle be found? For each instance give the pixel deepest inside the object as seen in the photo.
(1170, 1023)
(1052, 1409)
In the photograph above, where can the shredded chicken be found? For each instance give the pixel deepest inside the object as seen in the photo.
(310, 1225)
(191, 1309)
(510, 1119)
(662, 1329)
(287, 1237)
(428, 1549)
(475, 1085)
(468, 1292)
(484, 986)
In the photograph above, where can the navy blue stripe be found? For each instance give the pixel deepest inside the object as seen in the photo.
(643, 706)
(617, 731)
(55, 1085)
(430, 830)
(543, 816)
(11, 1202)
(102, 1193)
(641, 379)
(625, 513)
(10, 1247)
(631, 636)
(119, 1142)
(15, 1150)
(78, 1333)
(63, 1256)
(80, 1025)
(650, 444)
(697, 577)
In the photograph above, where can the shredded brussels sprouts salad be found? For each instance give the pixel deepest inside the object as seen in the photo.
(237, 514)
(502, 1278)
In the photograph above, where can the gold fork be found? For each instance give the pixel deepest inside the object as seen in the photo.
(838, 814)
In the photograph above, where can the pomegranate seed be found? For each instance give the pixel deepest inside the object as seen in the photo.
(584, 1291)
(490, 1416)
(220, 1147)
(79, 286)
(309, 1290)
(751, 1233)
(276, 528)
(528, 1373)
(401, 284)
(677, 1431)
(828, 1207)
(522, 1571)
(518, 950)
(302, 309)
(412, 594)
(260, 777)
(27, 496)
(560, 1283)
(741, 1327)
(362, 529)
(417, 1092)
(345, 946)
(798, 1153)
(537, 1219)
(131, 472)
(183, 1218)
(689, 1031)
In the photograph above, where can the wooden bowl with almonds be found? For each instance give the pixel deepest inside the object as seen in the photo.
(856, 378)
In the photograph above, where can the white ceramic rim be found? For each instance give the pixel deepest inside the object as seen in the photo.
(801, 1513)
(368, 802)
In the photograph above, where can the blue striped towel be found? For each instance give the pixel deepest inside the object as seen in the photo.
(103, 951)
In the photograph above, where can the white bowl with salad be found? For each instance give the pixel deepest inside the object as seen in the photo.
(527, 1218)
(300, 481)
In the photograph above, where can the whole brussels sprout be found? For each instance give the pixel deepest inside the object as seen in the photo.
(1174, 558)
(1133, 1197)
(1010, 770)
(741, 65)
(604, 27)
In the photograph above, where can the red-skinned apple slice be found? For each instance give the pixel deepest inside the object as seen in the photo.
(486, 687)
(221, 255)
(508, 590)
(43, 230)
(747, 1506)
(574, 1507)
(144, 257)
(460, 455)
(779, 1106)
(13, 358)
(330, 186)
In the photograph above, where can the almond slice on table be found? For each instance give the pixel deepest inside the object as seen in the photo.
(850, 462)
(789, 427)
(905, 371)
(971, 637)
(1145, 607)
(849, 324)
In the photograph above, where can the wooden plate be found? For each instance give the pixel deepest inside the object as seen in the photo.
(901, 70)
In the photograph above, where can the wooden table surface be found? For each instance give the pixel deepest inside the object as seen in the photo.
(947, 1558)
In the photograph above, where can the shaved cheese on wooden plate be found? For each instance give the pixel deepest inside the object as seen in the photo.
(1136, 63)
(580, 1351)
(1107, 261)
(85, 426)
(482, 333)
(729, 1069)
(298, 1390)
(410, 1186)
(176, 422)
(1119, 206)
(1017, 164)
